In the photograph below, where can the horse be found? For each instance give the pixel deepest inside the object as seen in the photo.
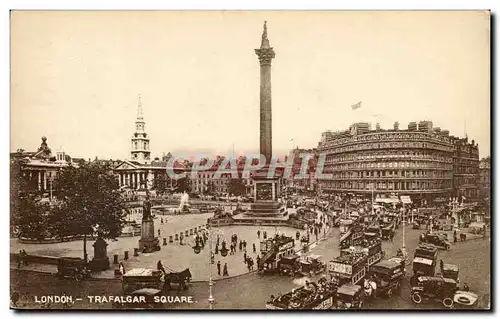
(179, 278)
(370, 288)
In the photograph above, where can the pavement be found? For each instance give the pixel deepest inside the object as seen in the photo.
(174, 256)
(251, 291)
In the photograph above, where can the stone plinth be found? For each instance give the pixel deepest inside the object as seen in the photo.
(267, 193)
(148, 242)
(100, 261)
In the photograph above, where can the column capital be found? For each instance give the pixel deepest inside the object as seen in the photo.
(265, 55)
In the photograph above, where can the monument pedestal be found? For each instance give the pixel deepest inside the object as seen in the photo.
(267, 193)
(100, 262)
(148, 242)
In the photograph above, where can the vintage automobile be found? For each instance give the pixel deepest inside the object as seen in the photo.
(148, 295)
(436, 240)
(434, 288)
(451, 271)
(289, 265)
(312, 265)
(74, 268)
(388, 275)
(388, 232)
(373, 229)
(349, 297)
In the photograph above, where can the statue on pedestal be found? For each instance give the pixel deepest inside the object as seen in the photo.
(146, 208)
(148, 242)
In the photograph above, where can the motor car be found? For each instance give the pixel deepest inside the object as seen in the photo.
(436, 240)
(349, 297)
(439, 289)
(388, 275)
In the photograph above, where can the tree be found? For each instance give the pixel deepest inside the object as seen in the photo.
(160, 183)
(90, 203)
(26, 210)
(237, 187)
(183, 185)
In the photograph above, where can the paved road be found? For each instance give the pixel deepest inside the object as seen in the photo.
(251, 291)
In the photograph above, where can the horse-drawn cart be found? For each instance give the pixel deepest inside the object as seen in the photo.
(140, 278)
(74, 268)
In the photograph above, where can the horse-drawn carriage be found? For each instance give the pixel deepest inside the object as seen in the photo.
(160, 279)
(180, 278)
(74, 268)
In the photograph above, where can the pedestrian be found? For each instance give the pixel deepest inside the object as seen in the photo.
(258, 234)
(441, 265)
(245, 257)
(159, 233)
(122, 268)
(258, 259)
(245, 245)
(225, 272)
(265, 235)
(240, 245)
(216, 249)
(254, 248)
(218, 267)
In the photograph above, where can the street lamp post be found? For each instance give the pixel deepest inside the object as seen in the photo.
(212, 233)
(404, 232)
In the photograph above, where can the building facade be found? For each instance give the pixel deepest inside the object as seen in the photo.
(40, 168)
(209, 183)
(485, 178)
(465, 168)
(136, 176)
(418, 161)
(306, 181)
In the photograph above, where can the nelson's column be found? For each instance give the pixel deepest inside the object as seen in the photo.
(266, 188)
(265, 54)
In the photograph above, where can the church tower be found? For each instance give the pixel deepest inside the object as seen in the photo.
(139, 151)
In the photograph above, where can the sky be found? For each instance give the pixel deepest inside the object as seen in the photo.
(75, 77)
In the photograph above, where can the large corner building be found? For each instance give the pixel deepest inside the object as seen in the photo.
(420, 161)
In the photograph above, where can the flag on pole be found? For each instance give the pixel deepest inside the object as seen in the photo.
(356, 106)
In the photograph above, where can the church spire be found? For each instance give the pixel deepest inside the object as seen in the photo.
(265, 41)
(139, 108)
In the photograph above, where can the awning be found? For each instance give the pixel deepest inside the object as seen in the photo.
(406, 199)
